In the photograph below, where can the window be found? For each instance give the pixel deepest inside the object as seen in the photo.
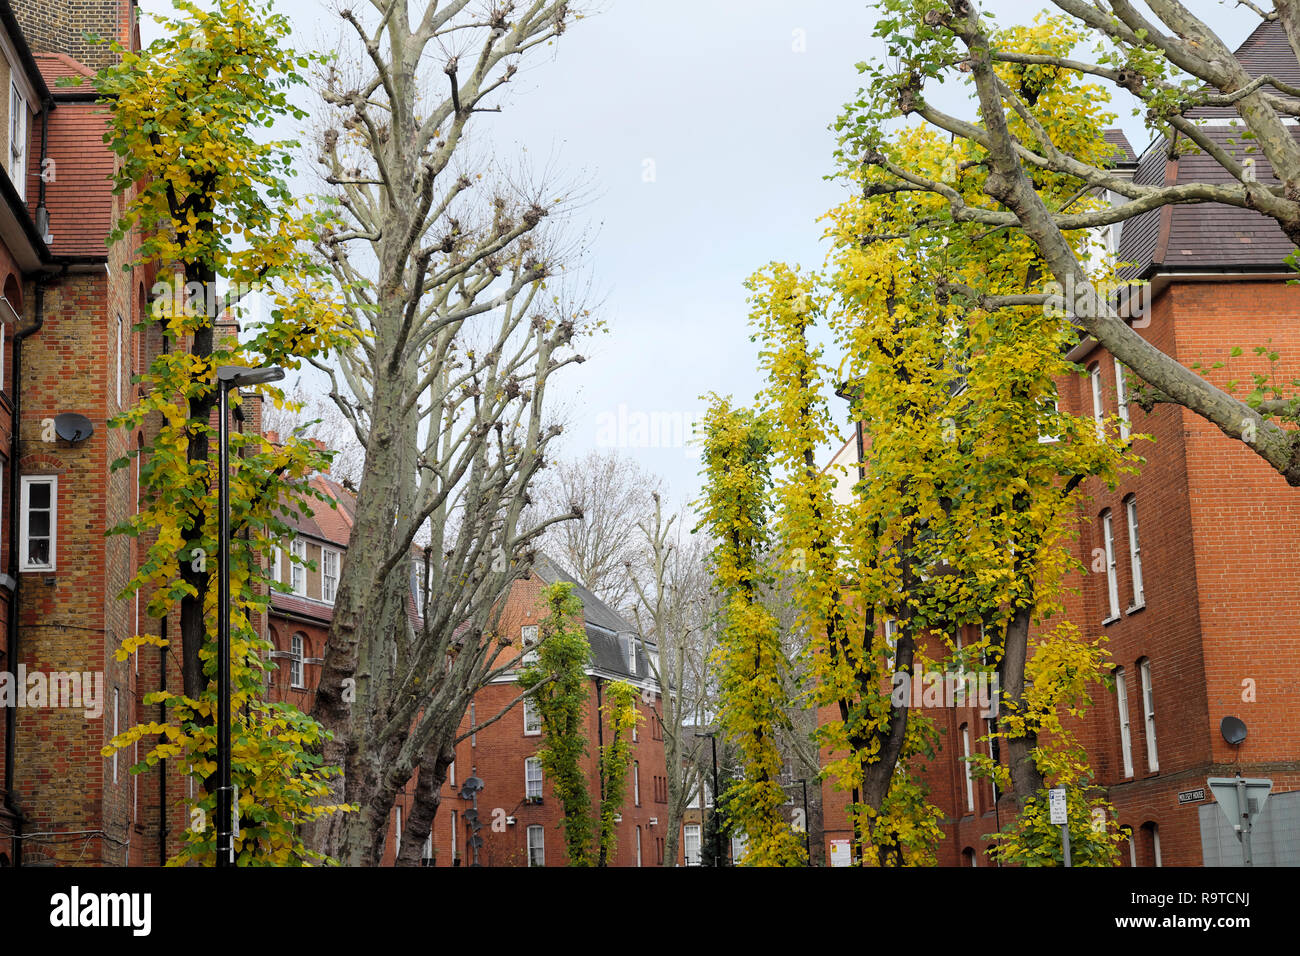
(532, 719)
(1151, 839)
(1125, 743)
(397, 841)
(630, 651)
(38, 519)
(536, 846)
(1148, 712)
(636, 783)
(1112, 575)
(329, 562)
(738, 844)
(970, 782)
(295, 660)
(656, 726)
(638, 846)
(451, 774)
(18, 141)
(119, 361)
(659, 850)
(1135, 553)
(528, 638)
(968, 857)
(533, 779)
(426, 854)
(891, 636)
(691, 844)
(635, 722)
(1094, 376)
(1121, 396)
(473, 737)
(297, 570)
(453, 837)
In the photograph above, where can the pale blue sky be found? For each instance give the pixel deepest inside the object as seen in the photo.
(731, 100)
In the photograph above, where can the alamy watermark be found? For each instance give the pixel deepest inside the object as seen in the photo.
(926, 689)
(64, 689)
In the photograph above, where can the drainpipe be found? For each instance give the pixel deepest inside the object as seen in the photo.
(11, 713)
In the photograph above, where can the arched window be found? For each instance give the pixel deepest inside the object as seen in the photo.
(969, 857)
(1150, 851)
(970, 781)
(1148, 712)
(1112, 575)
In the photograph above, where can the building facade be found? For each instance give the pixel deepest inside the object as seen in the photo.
(1192, 565)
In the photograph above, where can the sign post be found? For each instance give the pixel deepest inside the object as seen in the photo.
(1061, 818)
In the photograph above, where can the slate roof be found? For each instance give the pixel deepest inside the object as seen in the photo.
(1210, 237)
(606, 628)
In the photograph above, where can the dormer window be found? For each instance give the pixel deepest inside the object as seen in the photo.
(630, 652)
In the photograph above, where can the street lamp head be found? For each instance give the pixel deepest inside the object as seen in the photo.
(237, 376)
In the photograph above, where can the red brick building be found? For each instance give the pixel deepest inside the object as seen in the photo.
(518, 813)
(1198, 556)
(69, 349)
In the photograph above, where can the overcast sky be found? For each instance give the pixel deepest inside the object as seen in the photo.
(700, 130)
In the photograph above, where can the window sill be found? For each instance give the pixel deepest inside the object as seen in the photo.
(1110, 620)
(1137, 607)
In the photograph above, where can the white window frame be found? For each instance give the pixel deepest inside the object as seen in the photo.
(297, 571)
(329, 574)
(1112, 572)
(1135, 553)
(1125, 738)
(451, 774)
(537, 845)
(1155, 843)
(636, 783)
(1098, 413)
(397, 840)
(297, 651)
(630, 654)
(638, 846)
(24, 512)
(691, 832)
(970, 780)
(1149, 713)
(1121, 398)
(453, 836)
(18, 123)
(533, 727)
(528, 638)
(533, 783)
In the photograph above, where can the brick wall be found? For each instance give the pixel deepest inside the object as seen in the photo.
(58, 26)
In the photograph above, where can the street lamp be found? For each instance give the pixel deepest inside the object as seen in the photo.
(228, 377)
(717, 828)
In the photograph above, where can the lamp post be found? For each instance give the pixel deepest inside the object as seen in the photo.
(717, 829)
(228, 377)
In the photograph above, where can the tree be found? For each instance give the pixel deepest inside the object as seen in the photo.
(612, 493)
(961, 516)
(445, 390)
(673, 609)
(1170, 65)
(621, 716)
(205, 197)
(749, 661)
(558, 680)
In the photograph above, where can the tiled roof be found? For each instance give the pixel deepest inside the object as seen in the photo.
(79, 195)
(1123, 151)
(594, 611)
(1211, 236)
(56, 66)
(301, 606)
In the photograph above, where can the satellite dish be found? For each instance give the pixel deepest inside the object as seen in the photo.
(1233, 730)
(73, 427)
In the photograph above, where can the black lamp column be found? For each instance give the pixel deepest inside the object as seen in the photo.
(228, 377)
